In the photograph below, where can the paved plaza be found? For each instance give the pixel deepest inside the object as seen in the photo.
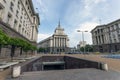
(73, 74)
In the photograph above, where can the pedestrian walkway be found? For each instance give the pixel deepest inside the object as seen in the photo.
(72, 74)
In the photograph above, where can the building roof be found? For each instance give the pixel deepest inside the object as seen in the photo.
(36, 14)
(97, 27)
(105, 24)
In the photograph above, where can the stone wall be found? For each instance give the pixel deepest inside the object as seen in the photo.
(76, 63)
(70, 63)
(114, 47)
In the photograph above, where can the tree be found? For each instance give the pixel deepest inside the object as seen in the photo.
(15, 42)
(41, 49)
(82, 49)
(3, 39)
(88, 48)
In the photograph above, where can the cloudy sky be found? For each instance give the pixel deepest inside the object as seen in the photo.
(74, 15)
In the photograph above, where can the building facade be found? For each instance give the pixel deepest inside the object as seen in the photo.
(106, 38)
(56, 43)
(19, 19)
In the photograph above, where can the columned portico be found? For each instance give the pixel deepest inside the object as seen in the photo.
(59, 41)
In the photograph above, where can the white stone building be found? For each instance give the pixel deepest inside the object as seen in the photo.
(19, 16)
(56, 43)
(106, 38)
(18, 19)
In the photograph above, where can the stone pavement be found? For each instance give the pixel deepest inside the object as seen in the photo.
(113, 64)
(72, 74)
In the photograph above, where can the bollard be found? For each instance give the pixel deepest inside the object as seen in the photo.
(16, 71)
(104, 66)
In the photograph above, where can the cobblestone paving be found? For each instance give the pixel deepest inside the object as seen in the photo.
(73, 74)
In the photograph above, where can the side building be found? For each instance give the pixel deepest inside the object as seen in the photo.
(19, 19)
(106, 38)
(56, 43)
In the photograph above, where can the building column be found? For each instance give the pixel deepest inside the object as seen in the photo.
(62, 42)
(55, 41)
(65, 42)
(58, 42)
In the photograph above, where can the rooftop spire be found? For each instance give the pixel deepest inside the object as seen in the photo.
(59, 23)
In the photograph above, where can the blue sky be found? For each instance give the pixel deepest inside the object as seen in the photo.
(74, 15)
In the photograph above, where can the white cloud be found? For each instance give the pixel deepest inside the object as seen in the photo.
(42, 36)
(82, 12)
(89, 6)
(87, 26)
(75, 37)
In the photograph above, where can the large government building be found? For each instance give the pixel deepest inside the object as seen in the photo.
(56, 43)
(106, 38)
(19, 19)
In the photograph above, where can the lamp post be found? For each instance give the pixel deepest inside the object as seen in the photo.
(82, 38)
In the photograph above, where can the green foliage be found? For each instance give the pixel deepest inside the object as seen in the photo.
(41, 49)
(3, 38)
(82, 49)
(88, 48)
(16, 42)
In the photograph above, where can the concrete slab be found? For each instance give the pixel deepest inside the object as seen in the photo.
(73, 74)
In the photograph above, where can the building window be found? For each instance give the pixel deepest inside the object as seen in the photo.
(15, 24)
(101, 30)
(28, 7)
(26, 2)
(19, 29)
(119, 38)
(21, 17)
(23, 31)
(9, 18)
(116, 25)
(108, 29)
(112, 28)
(119, 25)
(17, 12)
(98, 31)
(115, 40)
(18, 5)
(4, 1)
(11, 6)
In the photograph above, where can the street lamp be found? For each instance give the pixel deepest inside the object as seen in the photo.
(82, 38)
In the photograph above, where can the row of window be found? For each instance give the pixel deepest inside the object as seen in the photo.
(20, 19)
(107, 29)
(23, 11)
(107, 38)
(24, 32)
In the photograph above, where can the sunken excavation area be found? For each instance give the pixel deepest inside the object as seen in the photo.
(58, 63)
